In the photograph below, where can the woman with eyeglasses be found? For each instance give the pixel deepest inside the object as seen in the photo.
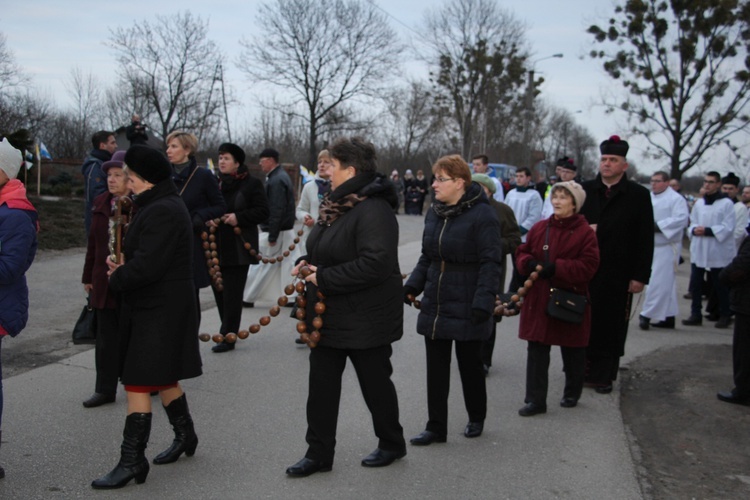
(459, 273)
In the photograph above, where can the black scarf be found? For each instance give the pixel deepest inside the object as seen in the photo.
(470, 197)
(345, 197)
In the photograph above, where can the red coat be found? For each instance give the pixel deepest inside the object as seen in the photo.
(574, 250)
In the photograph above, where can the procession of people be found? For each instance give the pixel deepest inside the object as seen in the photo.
(580, 251)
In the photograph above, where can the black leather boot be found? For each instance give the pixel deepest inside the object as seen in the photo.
(133, 463)
(185, 439)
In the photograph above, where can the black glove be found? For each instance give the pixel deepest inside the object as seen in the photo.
(531, 266)
(198, 224)
(548, 271)
(479, 316)
(409, 291)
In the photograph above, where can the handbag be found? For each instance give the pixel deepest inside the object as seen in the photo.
(563, 304)
(84, 331)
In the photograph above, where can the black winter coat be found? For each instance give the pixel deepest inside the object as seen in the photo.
(280, 194)
(246, 198)
(358, 270)
(625, 233)
(204, 202)
(459, 269)
(737, 276)
(159, 328)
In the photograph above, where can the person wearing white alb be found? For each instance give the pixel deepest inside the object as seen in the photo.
(730, 186)
(565, 170)
(670, 220)
(711, 234)
(480, 164)
(312, 194)
(526, 203)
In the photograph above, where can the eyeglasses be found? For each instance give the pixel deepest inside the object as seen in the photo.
(706, 181)
(444, 179)
(654, 181)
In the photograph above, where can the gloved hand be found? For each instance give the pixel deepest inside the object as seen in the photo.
(547, 271)
(409, 291)
(479, 316)
(198, 224)
(531, 266)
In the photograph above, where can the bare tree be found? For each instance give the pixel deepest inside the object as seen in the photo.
(478, 52)
(85, 91)
(173, 65)
(325, 53)
(11, 75)
(685, 70)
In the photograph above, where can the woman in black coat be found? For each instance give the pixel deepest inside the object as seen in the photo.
(353, 253)
(199, 189)
(159, 316)
(247, 206)
(459, 272)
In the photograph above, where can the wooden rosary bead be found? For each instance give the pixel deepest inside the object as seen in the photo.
(528, 283)
(218, 338)
(320, 308)
(204, 337)
(289, 289)
(283, 300)
(231, 337)
(296, 240)
(264, 320)
(317, 322)
(304, 337)
(315, 336)
(254, 328)
(274, 311)
(286, 253)
(305, 271)
(301, 301)
(301, 327)
(300, 314)
(243, 334)
(237, 230)
(300, 287)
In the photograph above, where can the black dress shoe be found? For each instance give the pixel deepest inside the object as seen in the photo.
(688, 296)
(667, 323)
(427, 437)
(723, 322)
(532, 409)
(474, 429)
(568, 402)
(308, 466)
(603, 388)
(381, 458)
(299, 341)
(223, 347)
(98, 399)
(711, 317)
(693, 321)
(644, 322)
(248, 304)
(731, 397)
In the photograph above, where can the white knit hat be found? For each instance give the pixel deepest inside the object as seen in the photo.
(10, 159)
(575, 190)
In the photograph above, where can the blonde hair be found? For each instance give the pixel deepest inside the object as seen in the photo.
(324, 154)
(186, 139)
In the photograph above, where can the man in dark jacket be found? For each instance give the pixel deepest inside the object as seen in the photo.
(737, 276)
(621, 213)
(95, 182)
(266, 282)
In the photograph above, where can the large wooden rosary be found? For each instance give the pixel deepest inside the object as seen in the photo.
(311, 339)
(212, 254)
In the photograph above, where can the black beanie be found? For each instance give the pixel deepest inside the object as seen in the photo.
(731, 179)
(233, 149)
(148, 163)
(614, 146)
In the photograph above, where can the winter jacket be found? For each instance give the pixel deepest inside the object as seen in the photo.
(459, 269)
(18, 243)
(246, 198)
(737, 276)
(95, 180)
(159, 328)
(204, 202)
(358, 270)
(280, 195)
(575, 253)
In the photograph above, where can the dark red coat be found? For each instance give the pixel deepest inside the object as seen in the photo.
(95, 266)
(574, 250)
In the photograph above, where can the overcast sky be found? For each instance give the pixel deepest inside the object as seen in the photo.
(49, 37)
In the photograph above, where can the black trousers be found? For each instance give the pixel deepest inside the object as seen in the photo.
(468, 355)
(537, 372)
(229, 301)
(602, 370)
(374, 370)
(696, 289)
(107, 350)
(741, 355)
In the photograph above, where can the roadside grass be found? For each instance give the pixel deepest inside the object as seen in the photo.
(60, 222)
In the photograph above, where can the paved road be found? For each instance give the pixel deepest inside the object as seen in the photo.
(249, 408)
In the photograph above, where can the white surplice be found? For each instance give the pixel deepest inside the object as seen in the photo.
(671, 216)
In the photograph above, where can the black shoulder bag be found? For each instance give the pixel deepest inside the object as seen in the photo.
(563, 304)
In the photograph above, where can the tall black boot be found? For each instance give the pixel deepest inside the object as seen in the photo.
(2, 471)
(185, 439)
(133, 463)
